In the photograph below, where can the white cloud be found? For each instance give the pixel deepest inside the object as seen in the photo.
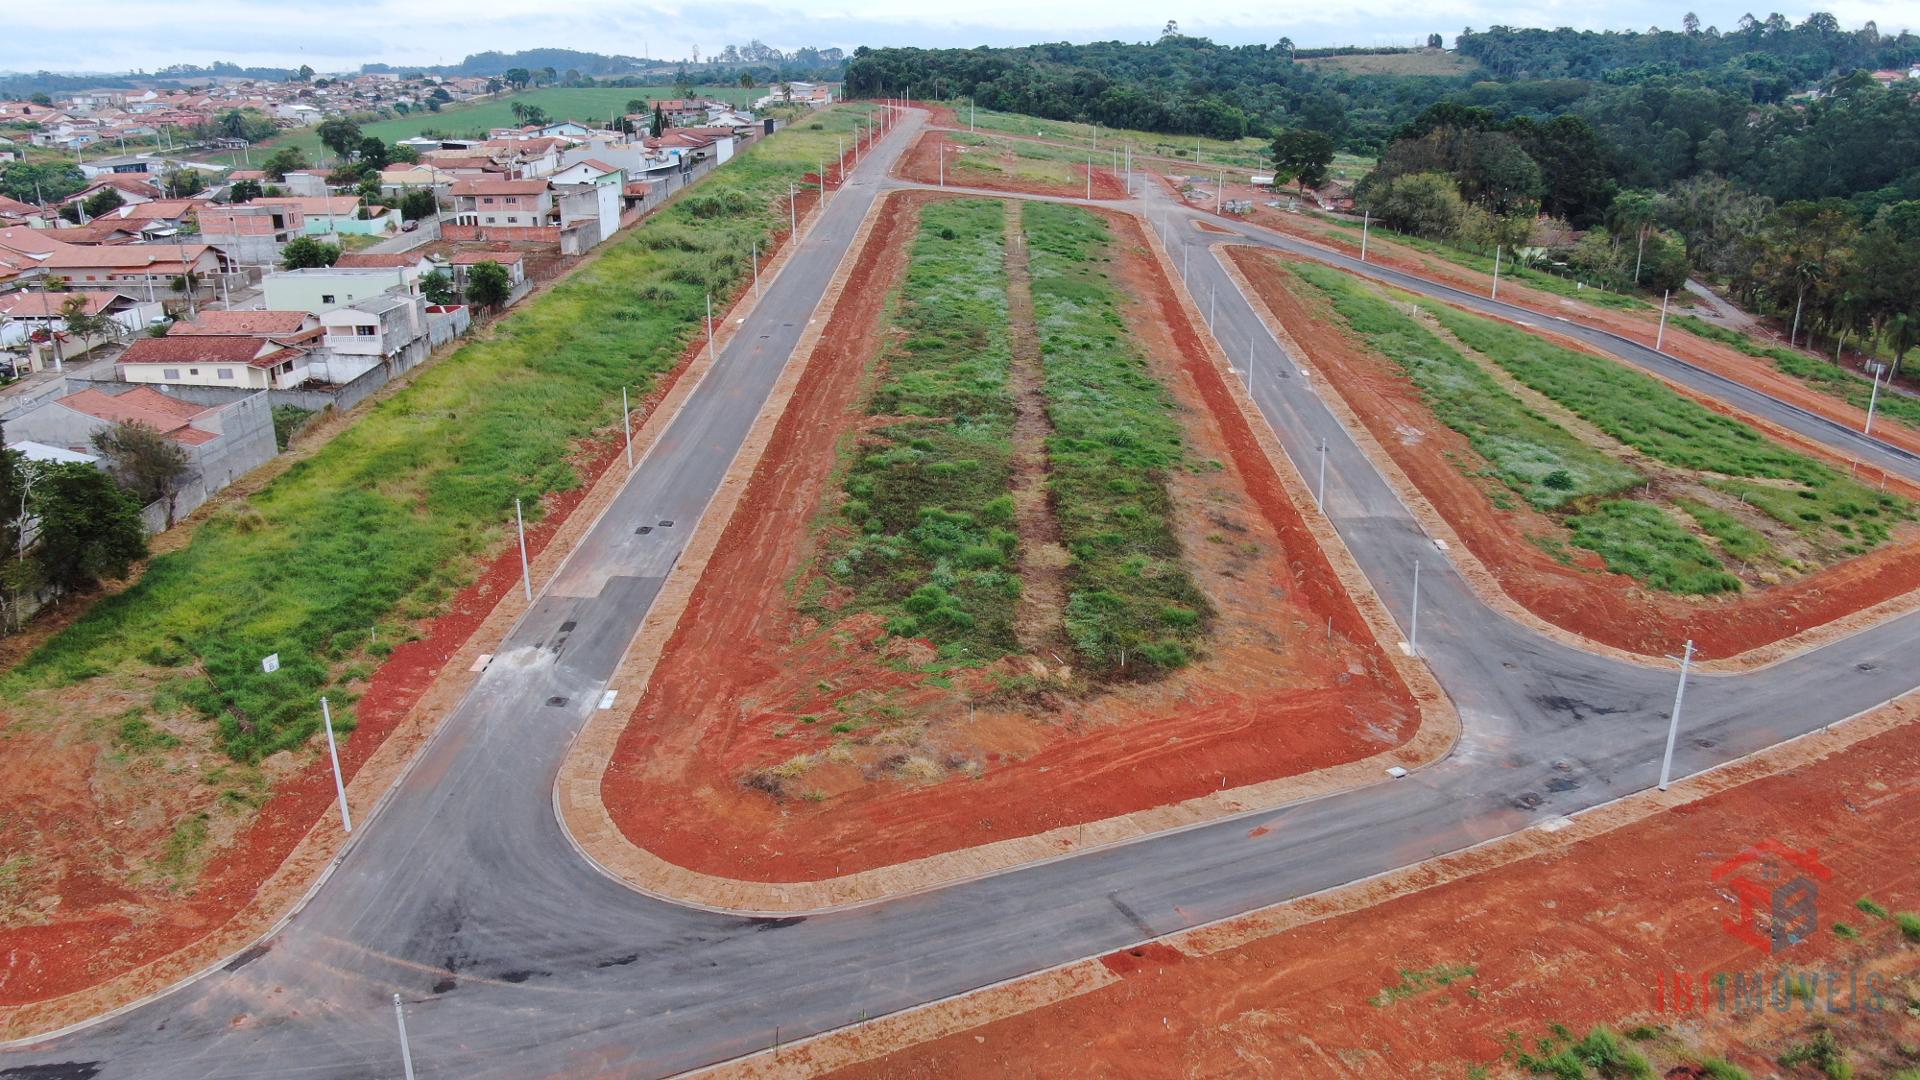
(116, 35)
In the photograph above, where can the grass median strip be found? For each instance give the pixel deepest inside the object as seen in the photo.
(928, 490)
(1708, 495)
(1646, 414)
(386, 522)
(1131, 604)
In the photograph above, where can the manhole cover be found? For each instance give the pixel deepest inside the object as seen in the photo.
(643, 530)
(556, 701)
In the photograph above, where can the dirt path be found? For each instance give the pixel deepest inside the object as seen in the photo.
(1722, 312)
(1043, 559)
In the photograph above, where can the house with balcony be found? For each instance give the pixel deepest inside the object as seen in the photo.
(510, 204)
(320, 289)
(387, 329)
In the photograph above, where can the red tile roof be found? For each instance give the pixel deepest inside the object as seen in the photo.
(47, 305)
(241, 324)
(144, 405)
(195, 348)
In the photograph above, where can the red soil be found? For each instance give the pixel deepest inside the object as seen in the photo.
(921, 164)
(1580, 936)
(1641, 326)
(1586, 599)
(1277, 694)
(101, 929)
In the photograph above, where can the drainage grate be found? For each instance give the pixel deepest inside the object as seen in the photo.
(643, 530)
(556, 701)
(666, 524)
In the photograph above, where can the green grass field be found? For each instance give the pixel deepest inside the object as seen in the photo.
(1483, 262)
(1115, 438)
(935, 552)
(470, 119)
(1584, 485)
(1241, 154)
(381, 526)
(1421, 62)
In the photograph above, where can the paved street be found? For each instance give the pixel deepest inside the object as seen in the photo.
(517, 959)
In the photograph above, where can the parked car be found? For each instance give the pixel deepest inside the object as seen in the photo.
(409, 226)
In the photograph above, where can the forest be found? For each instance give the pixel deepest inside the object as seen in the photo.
(1767, 157)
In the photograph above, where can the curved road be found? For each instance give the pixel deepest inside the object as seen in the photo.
(518, 959)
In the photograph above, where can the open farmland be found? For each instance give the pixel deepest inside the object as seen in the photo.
(588, 105)
(1602, 499)
(900, 634)
(151, 751)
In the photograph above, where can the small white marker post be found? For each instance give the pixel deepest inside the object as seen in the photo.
(526, 575)
(756, 268)
(1320, 493)
(1660, 338)
(1673, 725)
(1413, 624)
(406, 1051)
(1366, 226)
(626, 425)
(1496, 271)
(333, 754)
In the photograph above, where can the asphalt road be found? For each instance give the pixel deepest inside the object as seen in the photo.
(517, 959)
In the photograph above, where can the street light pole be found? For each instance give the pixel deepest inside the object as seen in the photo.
(626, 425)
(1873, 399)
(1413, 626)
(333, 754)
(526, 574)
(1496, 271)
(1660, 338)
(1673, 725)
(712, 356)
(1366, 226)
(1320, 493)
(406, 1051)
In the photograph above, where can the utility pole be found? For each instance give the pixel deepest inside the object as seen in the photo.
(1366, 225)
(793, 213)
(712, 356)
(1413, 627)
(1320, 493)
(626, 425)
(406, 1051)
(1496, 271)
(1640, 256)
(841, 158)
(1660, 337)
(943, 163)
(1220, 194)
(1673, 724)
(1089, 177)
(1873, 399)
(756, 268)
(333, 754)
(526, 574)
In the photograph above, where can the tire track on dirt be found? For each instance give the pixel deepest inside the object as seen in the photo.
(1043, 558)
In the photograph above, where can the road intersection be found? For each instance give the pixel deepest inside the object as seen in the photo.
(517, 958)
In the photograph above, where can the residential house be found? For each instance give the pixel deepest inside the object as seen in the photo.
(589, 171)
(514, 263)
(149, 270)
(251, 234)
(387, 329)
(248, 363)
(25, 314)
(320, 289)
(222, 441)
(509, 203)
(336, 215)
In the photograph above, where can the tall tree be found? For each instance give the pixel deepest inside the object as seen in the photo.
(341, 135)
(488, 285)
(1303, 156)
(306, 252)
(148, 465)
(89, 529)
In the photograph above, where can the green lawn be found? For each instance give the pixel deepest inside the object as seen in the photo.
(1115, 438)
(1584, 485)
(386, 522)
(936, 552)
(474, 118)
(1241, 154)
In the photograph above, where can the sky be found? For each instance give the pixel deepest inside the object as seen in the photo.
(339, 35)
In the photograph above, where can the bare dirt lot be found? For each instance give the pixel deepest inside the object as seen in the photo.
(1001, 169)
(1581, 595)
(1291, 680)
(1430, 985)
